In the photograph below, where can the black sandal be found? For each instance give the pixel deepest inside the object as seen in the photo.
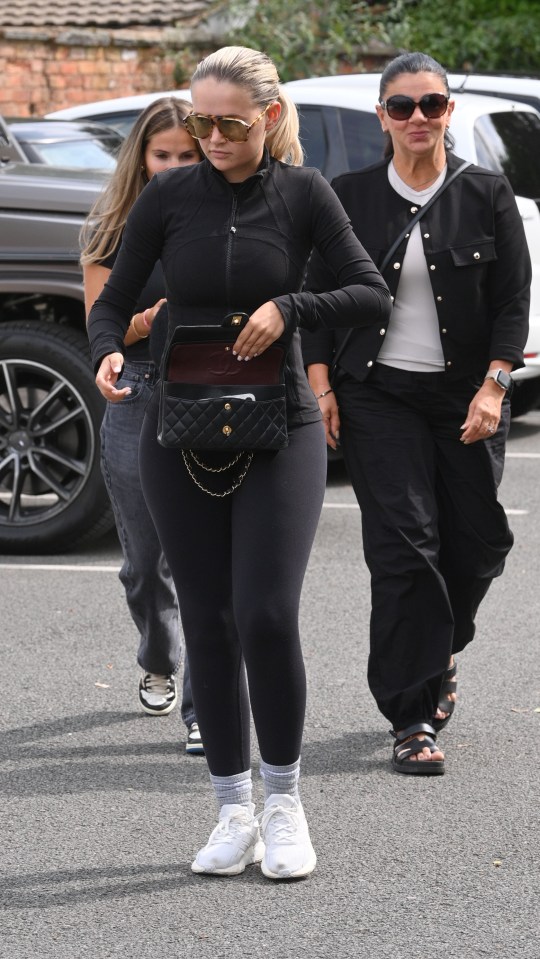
(404, 750)
(449, 685)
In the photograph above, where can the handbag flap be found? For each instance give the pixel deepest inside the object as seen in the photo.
(207, 358)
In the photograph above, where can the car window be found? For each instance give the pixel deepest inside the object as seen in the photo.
(336, 139)
(510, 143)
(122, 122)
(83, 154)
(313, 137)
(363, 136)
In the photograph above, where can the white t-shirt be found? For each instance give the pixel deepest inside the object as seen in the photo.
(413, 341)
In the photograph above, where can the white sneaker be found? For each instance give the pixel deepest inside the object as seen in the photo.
(157, 694)
(233, 844)
(288, 850)
(194, 743)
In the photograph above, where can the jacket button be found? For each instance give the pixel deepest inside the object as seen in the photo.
(449, 363)
(426, 236)
(414, 209)
(382, 332)
(476, 256)
(397, 266)
(370, 363)
(407, 235)
(433, 267)
(443, 331)
(439, 299)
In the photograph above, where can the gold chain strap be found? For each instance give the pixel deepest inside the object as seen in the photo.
(236, 482)
(216, 469)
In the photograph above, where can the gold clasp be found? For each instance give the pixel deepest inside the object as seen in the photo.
(227, 430)
(227, 406)
(236, 320)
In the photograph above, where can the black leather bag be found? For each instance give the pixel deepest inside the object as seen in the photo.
(210, 400)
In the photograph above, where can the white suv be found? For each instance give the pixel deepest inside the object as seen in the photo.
(340, 131)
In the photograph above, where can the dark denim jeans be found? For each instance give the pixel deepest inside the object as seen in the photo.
(150, 592)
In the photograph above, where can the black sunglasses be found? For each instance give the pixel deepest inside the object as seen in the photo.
(399, 107)
(200, 126)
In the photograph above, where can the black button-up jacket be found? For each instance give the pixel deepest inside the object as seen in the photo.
(478, 263)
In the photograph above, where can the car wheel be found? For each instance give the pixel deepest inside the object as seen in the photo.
(52, 495)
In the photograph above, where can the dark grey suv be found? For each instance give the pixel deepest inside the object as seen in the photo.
(51, 491)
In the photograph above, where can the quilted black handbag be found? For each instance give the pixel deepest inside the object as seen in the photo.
(211, 401)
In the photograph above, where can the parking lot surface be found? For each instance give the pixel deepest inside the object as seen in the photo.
(101, 811)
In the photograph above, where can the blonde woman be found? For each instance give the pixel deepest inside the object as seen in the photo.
(158, 141)
(235, 233)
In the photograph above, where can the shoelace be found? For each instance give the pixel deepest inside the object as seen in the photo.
(160, 685)
(284, 830)
(227, 828)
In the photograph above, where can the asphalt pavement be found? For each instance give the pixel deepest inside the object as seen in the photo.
(101, 811)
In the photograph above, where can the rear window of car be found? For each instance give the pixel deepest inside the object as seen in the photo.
(122, 122)
(510, 143)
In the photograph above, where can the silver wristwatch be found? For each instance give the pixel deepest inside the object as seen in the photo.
(501, 377)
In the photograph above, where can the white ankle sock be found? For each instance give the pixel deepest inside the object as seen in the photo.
(281, 779)
(233, 789)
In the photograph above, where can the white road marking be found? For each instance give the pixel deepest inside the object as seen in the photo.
(522, 456)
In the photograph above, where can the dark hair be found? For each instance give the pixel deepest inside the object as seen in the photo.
(413, 63)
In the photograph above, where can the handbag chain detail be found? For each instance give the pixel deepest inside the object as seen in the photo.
(209, 401)
(189, 455)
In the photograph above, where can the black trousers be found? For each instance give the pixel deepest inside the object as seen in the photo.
(434, 533)
(238, 564)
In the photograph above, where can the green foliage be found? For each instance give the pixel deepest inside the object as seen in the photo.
(478, 35)
(308, 39)
(323, 37)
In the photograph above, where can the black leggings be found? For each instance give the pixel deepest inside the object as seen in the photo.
(238, 564)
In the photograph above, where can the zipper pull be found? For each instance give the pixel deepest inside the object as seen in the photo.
(233, 229)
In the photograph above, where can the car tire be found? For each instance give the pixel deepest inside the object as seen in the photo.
(52, 495)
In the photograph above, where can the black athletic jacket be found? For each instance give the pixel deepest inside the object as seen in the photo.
(230, 247)
(478, 263)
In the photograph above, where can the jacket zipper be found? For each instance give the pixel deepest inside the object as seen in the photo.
(230, 238)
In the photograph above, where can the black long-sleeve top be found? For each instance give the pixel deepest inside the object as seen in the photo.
(478, 264)
(230, 247)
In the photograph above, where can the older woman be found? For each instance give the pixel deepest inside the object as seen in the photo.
(421, 405)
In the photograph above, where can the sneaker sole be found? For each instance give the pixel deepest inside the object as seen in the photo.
(153, 711)
(194, 750)
(300, 873)
(251, 856)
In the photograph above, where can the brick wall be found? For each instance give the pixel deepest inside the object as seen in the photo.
(47, 70)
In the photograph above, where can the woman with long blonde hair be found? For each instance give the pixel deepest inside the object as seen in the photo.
(158, 141)
(236, 233)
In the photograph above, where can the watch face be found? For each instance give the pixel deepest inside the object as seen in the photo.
(504, 379)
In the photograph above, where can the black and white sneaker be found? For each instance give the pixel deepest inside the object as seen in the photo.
(157, 694)
(194, 743)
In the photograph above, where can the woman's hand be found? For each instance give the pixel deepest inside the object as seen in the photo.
(484, 413)
(107, 375)
(263, 328)
(150, 314)
(330, 414)
(141, 323)
(318, 376)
